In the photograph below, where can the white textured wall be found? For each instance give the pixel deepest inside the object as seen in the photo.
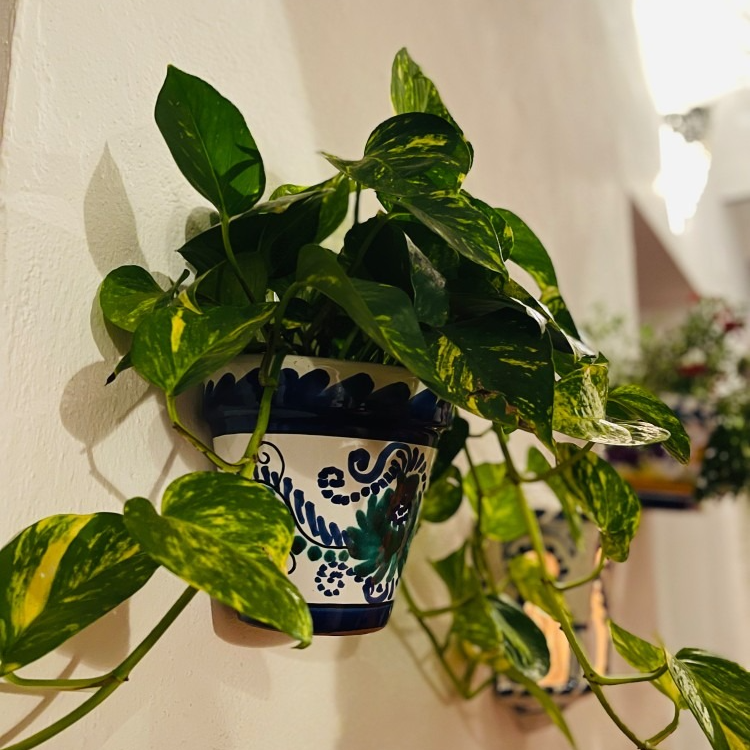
(550, 94)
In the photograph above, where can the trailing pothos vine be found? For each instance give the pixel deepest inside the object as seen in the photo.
(424, 283)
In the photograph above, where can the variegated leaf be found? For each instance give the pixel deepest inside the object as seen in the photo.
(413, 91)
(431, 300)
(228, 537)
(580, 410)
(60, 575)
(127, 295)
(528, 578)
(467, 224)
(210, 142)
(383, 312)
(645, 657)
(530, 254)
(497, 362)
(334, 202)
(606, 498)
(700, 706)
(707, 681)
(634, 402)
(410, 155)
(176, 348)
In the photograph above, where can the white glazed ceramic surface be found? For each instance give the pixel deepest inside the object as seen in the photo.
(355, 504)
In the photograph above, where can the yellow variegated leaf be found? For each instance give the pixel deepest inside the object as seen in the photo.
(58, 576)
(229, 537)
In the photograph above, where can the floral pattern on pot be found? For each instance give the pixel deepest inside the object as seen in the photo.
(354, 494)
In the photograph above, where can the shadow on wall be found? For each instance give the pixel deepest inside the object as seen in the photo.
(89, 409)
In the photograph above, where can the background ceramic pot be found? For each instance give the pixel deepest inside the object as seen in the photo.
(588, 605)
(348, 449)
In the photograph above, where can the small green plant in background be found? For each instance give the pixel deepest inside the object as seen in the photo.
(423, 283)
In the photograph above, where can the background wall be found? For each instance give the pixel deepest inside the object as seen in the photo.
(552, 97)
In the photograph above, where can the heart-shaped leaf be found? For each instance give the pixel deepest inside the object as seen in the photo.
(210, 142)
(645, 657)
(176, 348)
(634, 402)
(229, 537)
(443, 498)
(127, 295)
(497, 362)
(60, 575)
(501, 516)
(530, 254)
(605, 497)
(413, 91)
(409, 155)
(581, 399)
(467, 224)
(717, 691)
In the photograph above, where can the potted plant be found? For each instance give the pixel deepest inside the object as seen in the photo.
(699, 366)
(423, 285)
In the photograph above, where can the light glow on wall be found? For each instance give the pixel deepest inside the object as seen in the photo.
(683, 176)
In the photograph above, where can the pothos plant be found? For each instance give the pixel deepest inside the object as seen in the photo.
(424, 283)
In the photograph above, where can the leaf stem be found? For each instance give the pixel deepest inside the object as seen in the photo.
(592, 576)
(232, 259)
(196, 442)
(669, 729)
(115, 678)
(61, 685)
(562, 466)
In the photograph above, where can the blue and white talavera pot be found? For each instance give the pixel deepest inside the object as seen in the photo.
(588, 604)
(348, 450)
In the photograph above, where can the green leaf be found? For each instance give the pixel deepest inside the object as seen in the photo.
(60, 575)
(383, 312)
(606, 498)
(450, 443)
(494, 625)
(467, 224)
(580, 410)
(527, 576)
(210, 142)
(496, 363)
(430, 293)
(334, 203)
(634, 402)
(413, 91)
(175, 348)
(127, 295)
(524, 644)
(721, 685)
(645, 657)
(443, 498)
(410, 155)
(538, 464)
(502, 519)
(229, 537)
(700, 705)
(530, 254)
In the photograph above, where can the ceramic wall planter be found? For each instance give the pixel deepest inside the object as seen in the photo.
(588, 605)
(660, 480)
(349, 450)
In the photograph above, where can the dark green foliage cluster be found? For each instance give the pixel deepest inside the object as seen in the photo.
(424, 283)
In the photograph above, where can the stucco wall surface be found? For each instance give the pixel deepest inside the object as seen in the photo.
(556, 113)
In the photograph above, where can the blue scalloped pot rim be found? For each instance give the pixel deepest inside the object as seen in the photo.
(348, 450)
